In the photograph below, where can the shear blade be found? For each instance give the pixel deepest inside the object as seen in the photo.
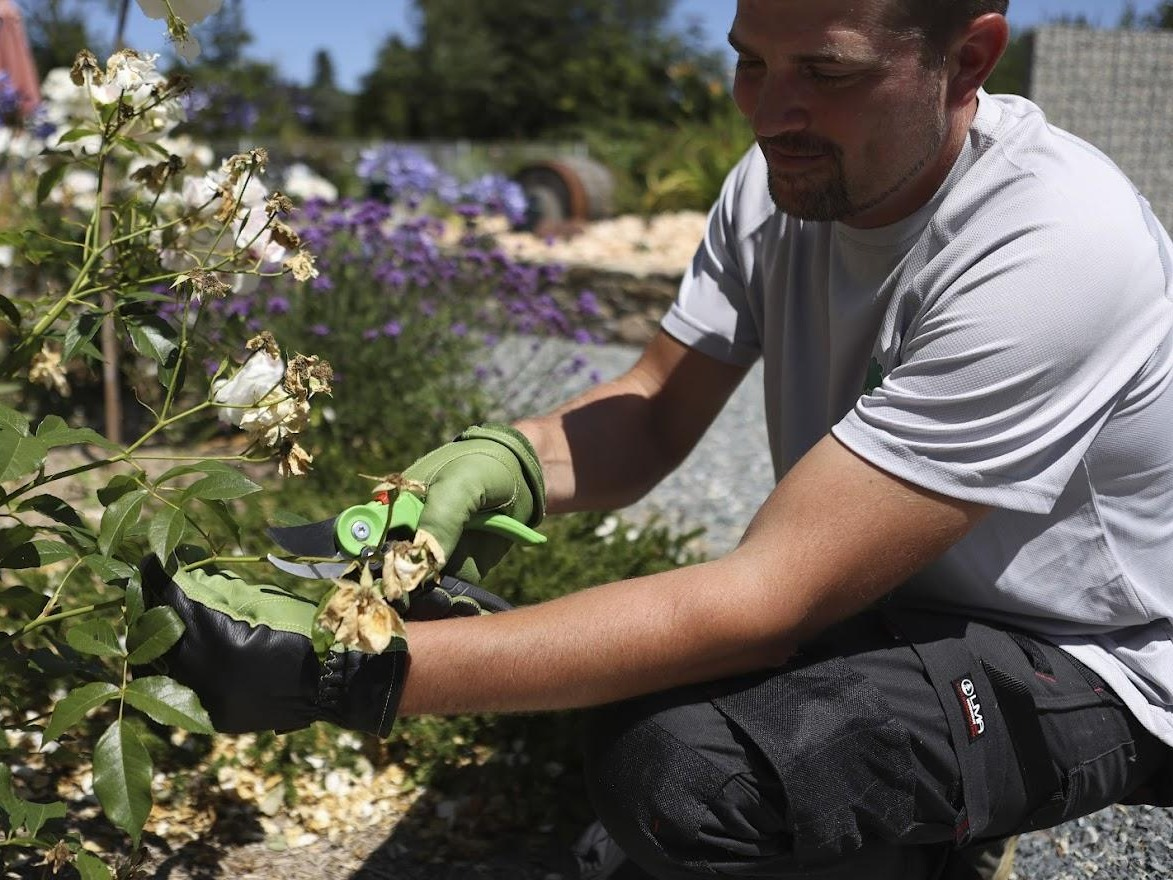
(311, 539)
(325, 570)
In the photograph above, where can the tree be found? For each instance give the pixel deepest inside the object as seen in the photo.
(57, 32)
(224, 36)
(526, 68)
(327, 108)
(1162, 16)
(385, 104)
(1012, 75)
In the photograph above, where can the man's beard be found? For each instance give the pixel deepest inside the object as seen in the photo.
(824, 194)
(819, 195)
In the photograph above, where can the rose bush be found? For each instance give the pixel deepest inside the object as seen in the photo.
(106, 225)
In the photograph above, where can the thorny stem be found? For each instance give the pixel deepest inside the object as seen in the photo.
(228, 560)
(126, 455)
(61, 615)
(56, 595)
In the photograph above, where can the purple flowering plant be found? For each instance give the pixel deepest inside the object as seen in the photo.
(404, 176)
(412, 315)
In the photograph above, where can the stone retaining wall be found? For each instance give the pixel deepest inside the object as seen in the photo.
(630, 306)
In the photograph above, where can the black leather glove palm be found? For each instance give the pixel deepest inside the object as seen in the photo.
(248, 654)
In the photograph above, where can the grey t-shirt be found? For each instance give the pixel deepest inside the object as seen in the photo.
(1012, 344)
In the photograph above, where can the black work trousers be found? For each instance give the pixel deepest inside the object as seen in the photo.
(893, 738)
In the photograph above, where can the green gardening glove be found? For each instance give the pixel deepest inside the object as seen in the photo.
(490, 468)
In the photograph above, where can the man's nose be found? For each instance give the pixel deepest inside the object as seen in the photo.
(783, 106)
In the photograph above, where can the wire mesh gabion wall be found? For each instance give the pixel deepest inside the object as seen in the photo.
(1114, 89)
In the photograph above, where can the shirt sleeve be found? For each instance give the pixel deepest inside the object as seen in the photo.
(1025, 341)
(713, 312)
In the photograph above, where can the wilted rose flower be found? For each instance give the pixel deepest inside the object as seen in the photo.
(408, 564)
(191, 11)
(46, 369)
(307, 375)
(359, 618)
(275, 419)
(302, 266)
(293, 461)
(258, 378)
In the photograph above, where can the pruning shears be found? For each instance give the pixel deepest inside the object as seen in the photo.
(364, 531)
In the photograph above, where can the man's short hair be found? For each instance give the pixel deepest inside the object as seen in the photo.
(939, 21)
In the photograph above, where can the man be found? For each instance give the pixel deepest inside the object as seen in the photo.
(949, 621)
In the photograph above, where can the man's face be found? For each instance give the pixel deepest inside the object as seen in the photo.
(851, 122)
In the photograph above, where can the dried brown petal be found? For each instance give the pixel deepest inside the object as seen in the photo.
(85, 66)
(46, 369)
(301, 265)
(58, 857)
(409, 564)
(359, 618)
(293, 461)
(264, 340)
(279, 203)
(393, 484)
(307, 375)
(285, 235)
(205, 284)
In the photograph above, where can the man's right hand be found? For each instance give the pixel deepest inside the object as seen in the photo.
(489, 468)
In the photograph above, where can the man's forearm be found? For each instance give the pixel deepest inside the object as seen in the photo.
(584, 469)
(580, 650)
(608, 447)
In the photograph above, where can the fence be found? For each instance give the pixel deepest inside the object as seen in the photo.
(1114, 89)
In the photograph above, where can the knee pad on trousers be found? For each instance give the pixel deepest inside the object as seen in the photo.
(676, 789)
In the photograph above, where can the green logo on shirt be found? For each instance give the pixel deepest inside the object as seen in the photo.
(874, 378)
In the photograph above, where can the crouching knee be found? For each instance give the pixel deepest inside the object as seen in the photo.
(676, 790)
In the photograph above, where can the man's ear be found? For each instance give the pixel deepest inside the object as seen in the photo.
(973, 56)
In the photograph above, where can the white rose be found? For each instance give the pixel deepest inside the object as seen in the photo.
(253, 235)
(302, 183)
(191, 11)
(258, 377)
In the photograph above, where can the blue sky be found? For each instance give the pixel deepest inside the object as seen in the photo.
(288, 32)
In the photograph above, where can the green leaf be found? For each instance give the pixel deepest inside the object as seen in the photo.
(119, 485)
(54, 432)
(219, 509)
(75, 705)
(19, 454)
(23, 600)
(134, 601)
(21, 813)
(50, 179)
(153, 634)
(119, 517)
(110, 571)
(36, 554)
(9, 802)
(80, 334)
(76, 134)
(95, 637)
(90, 867)
(17, 536)
(169, 702)
(36, 815)
(180, 470)
(154, 338)
(10, 311)
(222, 486)
(165, 531)
(174, 376)
(54, 508)
(10, 418)
(122, 779)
